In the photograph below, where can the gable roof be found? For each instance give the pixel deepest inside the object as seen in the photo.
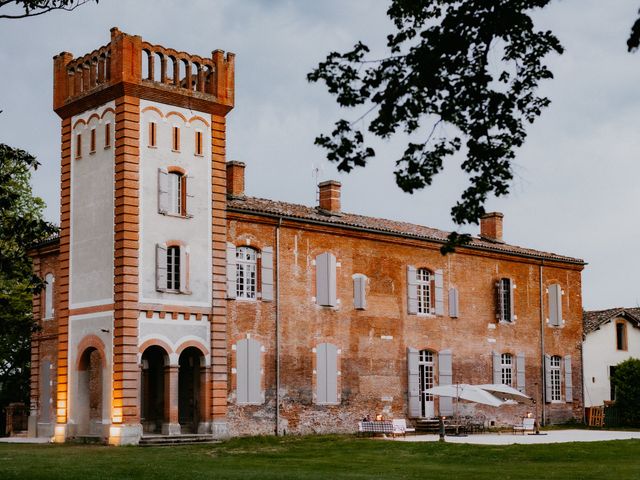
(592, 320)
(353, 221)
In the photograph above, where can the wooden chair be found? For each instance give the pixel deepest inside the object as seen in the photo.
(400, 427)
(527, 425)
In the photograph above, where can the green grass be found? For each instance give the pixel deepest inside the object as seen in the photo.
(324, 457)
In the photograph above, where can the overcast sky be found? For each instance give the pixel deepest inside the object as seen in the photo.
(577, 187)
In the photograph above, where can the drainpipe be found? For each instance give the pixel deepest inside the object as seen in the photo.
(277, 359)
(544, 380)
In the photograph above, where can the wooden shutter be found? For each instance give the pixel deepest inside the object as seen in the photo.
(326, 373)
(184, 269)
(547, 378)
(231, 270)
(242, 375)
(453, 302)
(520, 372)
(413, 383)
(326, 280)
(161, 267)
(412, 290)
(360, 292)
(267, 274)
(512, 305)
(439, 281)
(189, 186)
(568, 382)
(445, 376)
(555, 305)
(497, 368)
(163, 190)
(254, 390)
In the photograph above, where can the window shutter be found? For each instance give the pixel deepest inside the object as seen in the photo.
(163, 190)
(45, 391)
(453, 302)
(497, 368)
(231, 270)
(321, 373)
(161, 267)
(512, 305)
(547, 378)
(254, 374)
(189, 185)
(412, 290)
(555, 305)
(242, 383)
(520, 372)
(48, 296)
(499, 296)
(413, 384)
(445, 376)
(331, 369)
(326, 280)
(267, 274)
(568, 382)
(360, 292)
(184, 269)
(439, 281)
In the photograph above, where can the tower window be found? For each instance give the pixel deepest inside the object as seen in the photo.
(621, 335)
(176, 192)
(423, 282)
(556, 385)
(92, 143)
(505, 300)
(152, 134)
(78, 146)
(107, 135)
(173, 268)
(176, 139)
(198, 143)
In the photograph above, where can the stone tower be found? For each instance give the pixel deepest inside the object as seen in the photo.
(141, 284)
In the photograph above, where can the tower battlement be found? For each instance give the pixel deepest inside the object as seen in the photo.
(127, 65)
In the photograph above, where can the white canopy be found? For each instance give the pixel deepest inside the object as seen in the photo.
(463, 391)
(506, 392)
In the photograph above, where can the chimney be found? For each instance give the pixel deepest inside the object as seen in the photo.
(491, 227)
(330, 196)
(235, 179)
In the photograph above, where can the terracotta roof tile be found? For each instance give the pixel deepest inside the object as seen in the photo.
(594, 319)
(301, 212)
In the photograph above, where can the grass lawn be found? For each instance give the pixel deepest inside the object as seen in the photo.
(326, 457)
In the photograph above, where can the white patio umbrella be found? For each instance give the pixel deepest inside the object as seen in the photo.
(505, 392)
(464, 391)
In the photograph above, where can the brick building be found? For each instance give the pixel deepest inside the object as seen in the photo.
(177, 304)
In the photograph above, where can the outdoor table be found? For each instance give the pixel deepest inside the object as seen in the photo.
(378, 427)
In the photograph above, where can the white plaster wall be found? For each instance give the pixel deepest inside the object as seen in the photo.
(156, 228)
(79, 327)
(92, 203)
(175, 332)
(599, 353)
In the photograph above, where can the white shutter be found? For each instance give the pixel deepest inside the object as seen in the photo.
(254, 364)
(500, 302)
(231, 270)
(412, 290)
(161, 267)
(445, 377)
(547, 378)
(242, 372)
(497, 368)
(360, 292)
(163, 190)
(184, 269)
(520, 372)
(453, 302)
(555, 305)
(568, 381)
(267, 274)
(189, 197)
(413, 383)
(439, 281)
(326, 280)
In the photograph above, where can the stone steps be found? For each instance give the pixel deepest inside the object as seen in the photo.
(185, 439)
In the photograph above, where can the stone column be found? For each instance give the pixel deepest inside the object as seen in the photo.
(171, 425)
(204, 409)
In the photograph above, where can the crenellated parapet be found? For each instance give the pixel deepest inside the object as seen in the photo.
(127, 65)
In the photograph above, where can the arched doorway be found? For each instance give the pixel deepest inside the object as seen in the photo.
(154, 360)
(190, 389)
(90, 404)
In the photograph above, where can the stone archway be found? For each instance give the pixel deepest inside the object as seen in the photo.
(153, 395)
(191, 390)
(90, 402)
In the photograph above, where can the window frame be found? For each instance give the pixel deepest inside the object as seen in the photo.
(176, 180)
(48, 295)
(506, 369)
(199, 143)
(425, 292)
(621, 335)
(505, 306)
(78, 154)
(107, 135)
(92, 141)
(175, 138)
(247, 284)
(555, 373)
(153, 135)
(174, 268)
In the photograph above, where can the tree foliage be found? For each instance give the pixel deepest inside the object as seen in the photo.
(33, 8)
(626, 381)
(21, 225)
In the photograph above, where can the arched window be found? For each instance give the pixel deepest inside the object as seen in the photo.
(425, 292)
(246, 273)
(506, 364)
(176, 191)
(48, 296)
(173, 268)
